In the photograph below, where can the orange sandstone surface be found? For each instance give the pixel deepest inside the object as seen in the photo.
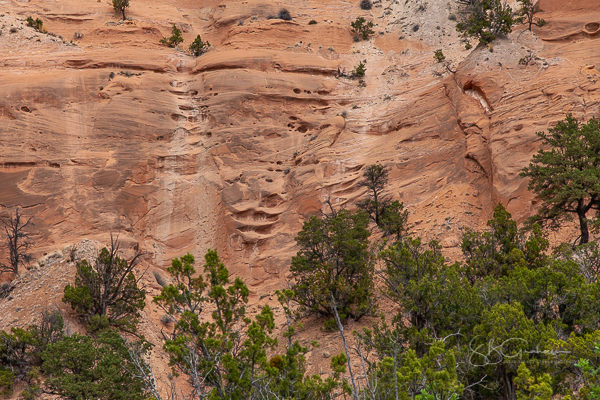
(114, 133)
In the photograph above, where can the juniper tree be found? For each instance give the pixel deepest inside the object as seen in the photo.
(224, 355)
(120, 6)
(334, 262)
(566, 175)
(82, 367)
(198, 47)
(362, 29)
(107, 293)
(485, 19)
(174, 39)
(390, 216)
(526, 14)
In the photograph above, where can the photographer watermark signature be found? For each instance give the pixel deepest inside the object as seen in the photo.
(513, 350)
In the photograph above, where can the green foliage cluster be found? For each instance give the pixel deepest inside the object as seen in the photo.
(37, 23)
(198, 47)
(21, 351)
(119, 6)
(107, 293)
(485, 19)
(387, 214)
(224, 356)
(526, 14)
(174, 39)
(359, 71)
(334, 264)
(438, 56)
(566, 176)
(362, 29)
(85, 367)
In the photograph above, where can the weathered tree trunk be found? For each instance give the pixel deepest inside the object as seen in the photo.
(583, 224)
(341, 329)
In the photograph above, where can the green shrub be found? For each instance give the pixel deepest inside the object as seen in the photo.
(333, 271)
(81, 367)
(120, 5)
(37, 24)
(362, 29)
(312, 22)
(439, 56)
(485, 19)
(175, 38)
(7, 381)
(198, 47)
(107, 293)
(359, 70)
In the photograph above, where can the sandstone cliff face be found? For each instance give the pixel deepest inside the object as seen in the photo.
(235, 149)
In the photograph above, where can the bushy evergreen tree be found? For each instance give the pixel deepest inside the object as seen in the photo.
(485, 19)
(107, 293)
(84, 368)
(120, 5)
(174, 39)
(566, 175)
(334, 267)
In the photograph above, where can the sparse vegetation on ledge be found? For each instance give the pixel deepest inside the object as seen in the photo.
(174, 39)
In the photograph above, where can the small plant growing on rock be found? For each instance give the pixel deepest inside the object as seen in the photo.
(365, 5)
(439, 56)
(78, 35)
(312, 22)
(166, 319)
(198, 47)
(526, 14)
(284, 14)
(175, 38)
(362, 29)
(359, 70)
(528, 59)
(36, 24)
(120, 5)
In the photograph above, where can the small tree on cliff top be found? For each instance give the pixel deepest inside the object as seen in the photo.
(484, 19)
(567, 176)
(120, 6)
(526, 14)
